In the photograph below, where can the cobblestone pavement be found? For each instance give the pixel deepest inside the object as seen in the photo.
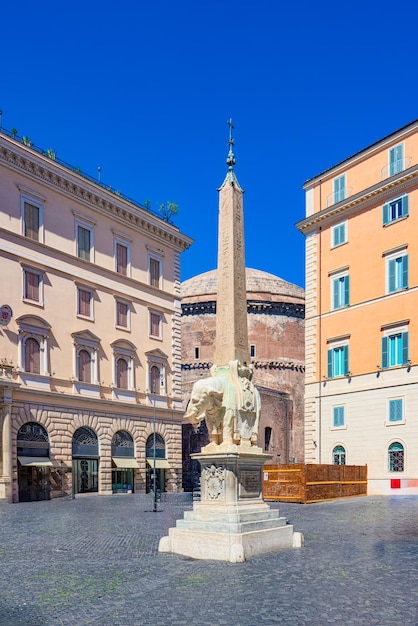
(94, 560)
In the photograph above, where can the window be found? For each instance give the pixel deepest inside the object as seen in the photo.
(155, 379)
(396, 457)
(84, 302)
(155, 325)
(267, 438)
(397, 272)
(252, 351)
(122, 373)
(123, 359)
(32, 285)
(86, 348)
(339, 188)
(395, 210)
(122, 257)
(396, 160)
(338, 455)
(396, 410)
(339, 234)
(395, 349)
(122, 314)
(33, 345)
(84, 241)
(32, 356)
(84, 366)
(338, 361)
(32, 218)
(338, 416)
(340, 291)
(156, 367)
(154, 271)
(196, 353)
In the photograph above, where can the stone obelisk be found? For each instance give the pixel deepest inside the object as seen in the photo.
(232, 522)
(231, 306)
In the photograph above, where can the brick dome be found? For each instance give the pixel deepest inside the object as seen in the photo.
(260, 286)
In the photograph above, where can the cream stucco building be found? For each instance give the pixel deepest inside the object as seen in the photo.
(361, 393)
(90, 353)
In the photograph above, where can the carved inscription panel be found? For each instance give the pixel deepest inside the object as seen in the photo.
(249, 483)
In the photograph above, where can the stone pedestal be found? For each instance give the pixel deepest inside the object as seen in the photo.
(232, 522)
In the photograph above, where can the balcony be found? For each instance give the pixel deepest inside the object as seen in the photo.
(395, 168)
(338, 196)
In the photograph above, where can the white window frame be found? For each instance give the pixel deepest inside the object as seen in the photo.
(40, 274)
(335, 345)
(128, 356)
(24, 197)
(336, 229)
(390, 422)
(91, 291)
(92, 349)
(87, 226)
(394, 331)
(127, 245)
(387, 208)
(128, 314)
(28, 331)
(389, 258)
(344, 276)
(155, 257)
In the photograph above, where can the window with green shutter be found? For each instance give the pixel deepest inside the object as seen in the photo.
(395, 209)
(395, 350)
(396, 160)
(396, 410)
(398, 273)
(338, 416)
(341, 291)
(339, 188)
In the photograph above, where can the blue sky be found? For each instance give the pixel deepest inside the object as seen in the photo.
(144, 90)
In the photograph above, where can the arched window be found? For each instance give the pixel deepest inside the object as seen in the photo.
(85, 442)
(338, 455)
(159, 447)
(32, 356)
(122, 373)
(396, 457)
(122, 444)
(84, 366)
(267, 437)
(155, 379)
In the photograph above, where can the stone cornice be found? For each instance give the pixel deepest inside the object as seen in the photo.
(279, 365)
(265, 365)
(382, 191)
(55, 175)
(289, 309)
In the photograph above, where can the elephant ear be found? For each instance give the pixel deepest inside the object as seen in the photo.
(216, 398)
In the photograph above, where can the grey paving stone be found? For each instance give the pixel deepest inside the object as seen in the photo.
(94, 560)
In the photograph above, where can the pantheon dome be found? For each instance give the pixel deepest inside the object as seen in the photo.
(276, 310)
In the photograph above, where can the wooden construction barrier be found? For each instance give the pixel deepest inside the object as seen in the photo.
(306, 483)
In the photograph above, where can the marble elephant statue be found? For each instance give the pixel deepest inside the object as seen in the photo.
(230, 404)
(214, 399)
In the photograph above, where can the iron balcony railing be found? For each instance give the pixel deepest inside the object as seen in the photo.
(395, 167)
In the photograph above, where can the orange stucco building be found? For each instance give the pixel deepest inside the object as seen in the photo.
(361, 326)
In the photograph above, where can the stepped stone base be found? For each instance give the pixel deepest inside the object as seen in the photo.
(232, 522)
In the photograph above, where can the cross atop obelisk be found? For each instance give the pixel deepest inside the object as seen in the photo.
(231, 307)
